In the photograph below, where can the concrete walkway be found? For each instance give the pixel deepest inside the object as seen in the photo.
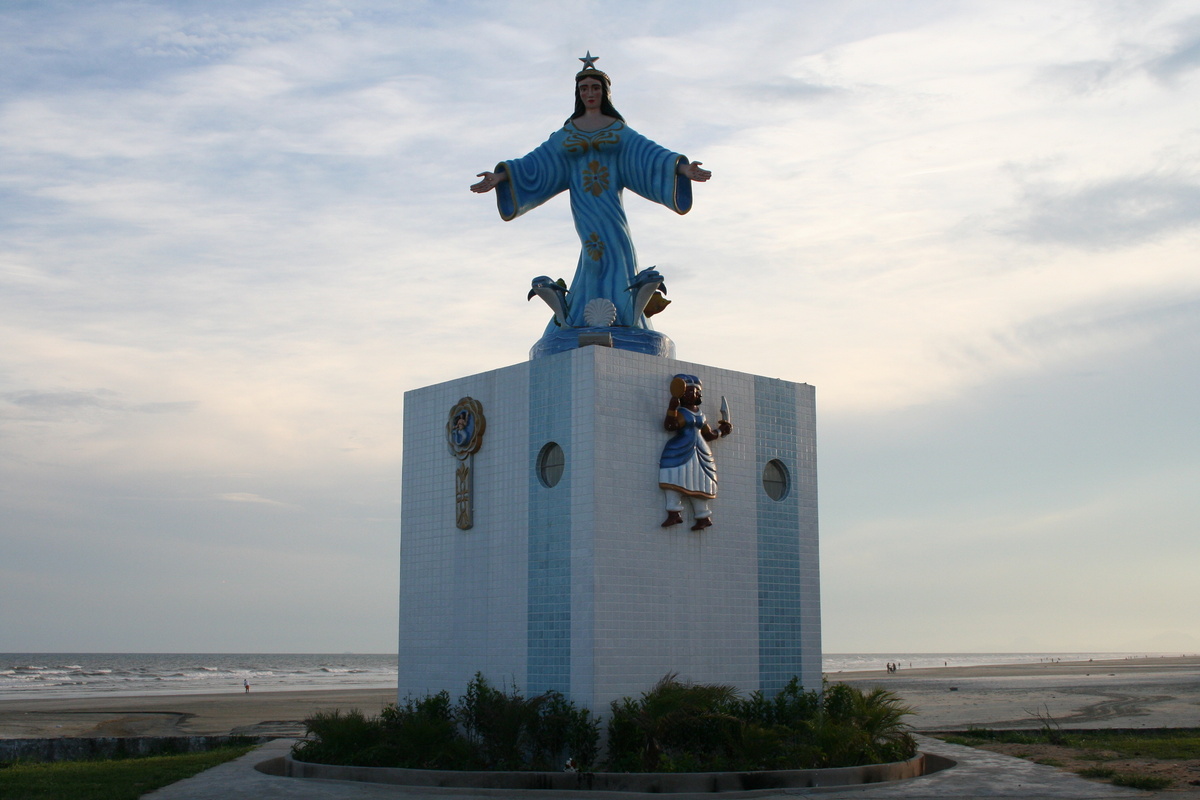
(978, 774)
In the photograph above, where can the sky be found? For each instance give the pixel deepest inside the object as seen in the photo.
(233, 234)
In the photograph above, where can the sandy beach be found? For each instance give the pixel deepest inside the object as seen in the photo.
(255, 714)
(1158, 692)
(1128, 693)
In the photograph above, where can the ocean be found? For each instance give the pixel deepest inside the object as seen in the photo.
(92, 674)
(833, 663)
(61, 675)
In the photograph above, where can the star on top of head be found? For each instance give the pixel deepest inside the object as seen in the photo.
(589, 61)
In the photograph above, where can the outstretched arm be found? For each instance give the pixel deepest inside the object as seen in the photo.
(490, 181)
(693, 171)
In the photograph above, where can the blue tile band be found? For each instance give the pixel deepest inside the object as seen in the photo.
(779, 602)
(548, 618)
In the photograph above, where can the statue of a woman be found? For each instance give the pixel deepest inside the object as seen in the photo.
(687, 467)
(595, 155)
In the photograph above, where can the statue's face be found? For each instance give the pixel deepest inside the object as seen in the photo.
(691, 396)
(591, 93)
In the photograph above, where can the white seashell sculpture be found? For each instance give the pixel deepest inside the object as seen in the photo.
(599, 313)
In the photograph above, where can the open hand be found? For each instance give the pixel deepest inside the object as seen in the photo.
(695, 172)
(490, 181)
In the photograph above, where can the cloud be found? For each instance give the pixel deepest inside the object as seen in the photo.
(1120, 212)
(247, 497)
(55, 401)
(1132, 53)
(1183, 57)
(22, 276)
(48, 405)
(1083, 77)
(1111, 325)
(214, 36)
(788, 90)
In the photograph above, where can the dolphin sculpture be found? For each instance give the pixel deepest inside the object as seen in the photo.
(644, 285)
(555, 295)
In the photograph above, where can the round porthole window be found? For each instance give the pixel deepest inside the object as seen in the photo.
(775, 479)
(550, 464)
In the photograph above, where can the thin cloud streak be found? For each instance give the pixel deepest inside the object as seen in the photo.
(1114, 213)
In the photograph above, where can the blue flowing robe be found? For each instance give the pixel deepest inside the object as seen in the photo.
(687, 464)
(595, 166)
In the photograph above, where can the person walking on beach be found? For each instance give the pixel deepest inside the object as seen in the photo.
(246, 683)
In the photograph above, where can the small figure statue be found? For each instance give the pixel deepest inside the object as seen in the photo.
(595, 156)
(687, 467)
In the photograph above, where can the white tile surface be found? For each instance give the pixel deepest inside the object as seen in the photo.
(644, 600)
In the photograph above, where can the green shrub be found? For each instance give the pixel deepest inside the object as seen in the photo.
(346, 739)
(423, 734)
(488, 729)
(561, 732)
(678, 727)
(511, 732)
(878, 717)
(675, 726)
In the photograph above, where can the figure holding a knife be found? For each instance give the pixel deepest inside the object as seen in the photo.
(687, 468)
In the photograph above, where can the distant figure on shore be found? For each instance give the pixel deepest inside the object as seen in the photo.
(246, 683)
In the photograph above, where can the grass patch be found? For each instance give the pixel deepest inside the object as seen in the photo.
(1145, 759)
(1148, 783)
(110, 779)
(1143, 744)
(1100, 745)
(974, 737)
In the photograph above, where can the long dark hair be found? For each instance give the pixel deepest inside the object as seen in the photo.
(606, 106)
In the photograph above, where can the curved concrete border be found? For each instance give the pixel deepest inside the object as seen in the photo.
(650, 782)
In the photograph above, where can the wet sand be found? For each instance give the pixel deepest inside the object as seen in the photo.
(254, 714)
(1129, 693)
